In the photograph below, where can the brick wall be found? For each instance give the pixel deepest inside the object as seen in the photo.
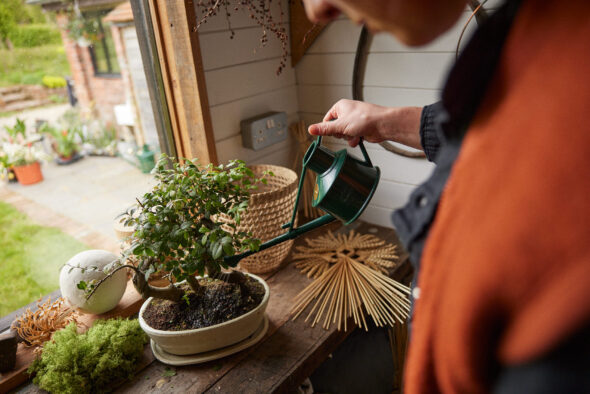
(101, 92)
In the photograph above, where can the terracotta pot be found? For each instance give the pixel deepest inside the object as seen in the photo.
(205, 339)
(28, 174)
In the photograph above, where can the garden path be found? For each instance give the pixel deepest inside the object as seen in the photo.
(49, 113)
(82, 199)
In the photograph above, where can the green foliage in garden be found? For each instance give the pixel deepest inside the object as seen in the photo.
(89, 362)
(7, 23)
(29, 36)
(28, 66)
(53, 82)
(23, 13)
(15, 12)
(31, 257)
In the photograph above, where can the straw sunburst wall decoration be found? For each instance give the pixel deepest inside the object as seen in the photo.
(350, 272)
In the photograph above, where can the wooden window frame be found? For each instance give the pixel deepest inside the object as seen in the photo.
(172, 60)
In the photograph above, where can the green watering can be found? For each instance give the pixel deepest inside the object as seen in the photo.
(343, 189)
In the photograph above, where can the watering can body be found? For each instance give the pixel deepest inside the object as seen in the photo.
(343, 189)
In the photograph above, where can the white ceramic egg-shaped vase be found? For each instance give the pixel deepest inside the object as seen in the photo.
(87, 266)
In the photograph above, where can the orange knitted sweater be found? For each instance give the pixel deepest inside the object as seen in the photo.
(505, 274)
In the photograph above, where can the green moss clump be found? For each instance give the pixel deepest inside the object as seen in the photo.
(87, 363)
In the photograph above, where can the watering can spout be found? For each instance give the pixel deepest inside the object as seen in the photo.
(344, 186)
(232, 261)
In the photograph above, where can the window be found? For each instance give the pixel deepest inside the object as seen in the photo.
(104, 56)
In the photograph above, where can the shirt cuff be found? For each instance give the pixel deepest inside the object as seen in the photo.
(428, 135)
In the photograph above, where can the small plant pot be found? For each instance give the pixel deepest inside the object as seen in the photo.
(28, 174)
(68, 160)
(200, 340)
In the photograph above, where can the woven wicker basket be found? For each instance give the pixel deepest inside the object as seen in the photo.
(270, 207)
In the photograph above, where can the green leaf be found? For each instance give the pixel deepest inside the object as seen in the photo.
(217, 250)
(149, 271)
(169, 372)
(138, 250)
(228, 249)
(81, 285)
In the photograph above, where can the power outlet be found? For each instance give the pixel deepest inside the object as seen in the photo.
(264, 130)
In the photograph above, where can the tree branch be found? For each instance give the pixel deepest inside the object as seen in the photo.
(146, 290)
(193, 283)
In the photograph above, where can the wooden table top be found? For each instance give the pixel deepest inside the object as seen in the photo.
(280, 362)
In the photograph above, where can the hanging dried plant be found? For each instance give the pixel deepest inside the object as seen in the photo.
(36, 327)
(350, 281)
(259, 10)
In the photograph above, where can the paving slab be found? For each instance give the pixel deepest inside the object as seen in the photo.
(88, 195)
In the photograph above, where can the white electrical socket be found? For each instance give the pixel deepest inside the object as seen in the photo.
(263, 130)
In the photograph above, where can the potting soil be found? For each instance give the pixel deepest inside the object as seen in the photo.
(217, 302)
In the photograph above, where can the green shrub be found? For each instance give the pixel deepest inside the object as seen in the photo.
(89, 362)
(53, 82)
(29, 36)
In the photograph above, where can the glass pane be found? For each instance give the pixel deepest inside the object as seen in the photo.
(111, 53)
(85, 126)
(103, 46)
(100, 59)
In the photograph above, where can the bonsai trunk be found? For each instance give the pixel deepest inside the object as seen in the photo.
(193, 283)
(232, 277)
(172, 292)
(169, 292)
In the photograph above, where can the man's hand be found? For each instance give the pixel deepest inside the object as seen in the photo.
(350, 120)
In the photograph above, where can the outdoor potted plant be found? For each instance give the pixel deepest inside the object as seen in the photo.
(64, 143)
(19, 155)
(24, 160)
(178, 232)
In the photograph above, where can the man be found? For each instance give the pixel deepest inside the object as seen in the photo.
(500, 234)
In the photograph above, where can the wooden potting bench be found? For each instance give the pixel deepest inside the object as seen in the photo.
(289, 352)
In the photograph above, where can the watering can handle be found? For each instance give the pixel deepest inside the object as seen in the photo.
(361, 145)
(365, 154)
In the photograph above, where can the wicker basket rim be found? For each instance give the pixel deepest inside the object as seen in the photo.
(284, 171)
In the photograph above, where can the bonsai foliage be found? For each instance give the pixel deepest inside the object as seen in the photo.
(188, 223)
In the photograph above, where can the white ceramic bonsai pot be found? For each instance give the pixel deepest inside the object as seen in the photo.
(205, 339)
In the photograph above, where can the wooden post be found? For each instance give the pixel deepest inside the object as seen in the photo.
(177, 41)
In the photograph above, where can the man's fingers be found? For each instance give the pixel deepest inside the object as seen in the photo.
(331, 114)
(353, 141)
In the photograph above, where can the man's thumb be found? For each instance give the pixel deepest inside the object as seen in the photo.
(323, 128)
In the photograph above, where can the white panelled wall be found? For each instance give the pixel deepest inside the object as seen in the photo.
(395, 75)
(241, 83)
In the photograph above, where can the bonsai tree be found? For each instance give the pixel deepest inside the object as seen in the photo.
(186, 226)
